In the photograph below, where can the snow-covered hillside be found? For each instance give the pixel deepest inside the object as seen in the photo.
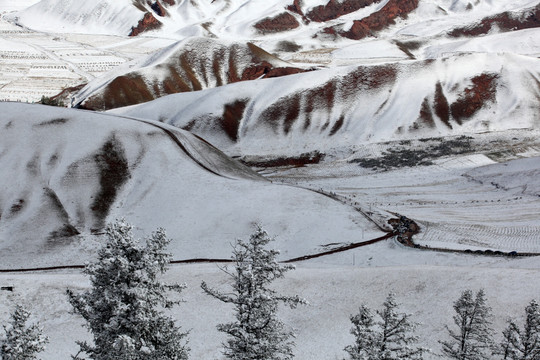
(189, 65)
(67, 172)
(353, 105)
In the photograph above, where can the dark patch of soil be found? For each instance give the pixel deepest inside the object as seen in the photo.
(426, 115)
(442, 108)
(159, 9)
(473, 98)
(232, 115)
(404, 157)
(296, 161)
(337, 125)
(122, 91)
(282, 22)
(17, 207)
(147, 23)
(114, 172)
(58, 121)
(335, 9)
(506, 21)
(376, 21)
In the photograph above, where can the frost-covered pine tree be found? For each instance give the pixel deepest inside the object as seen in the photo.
(124, 308)
(474, 338)
(389, 338)
(364, 334)
(22, 341)
(523, 344)
(257, 333)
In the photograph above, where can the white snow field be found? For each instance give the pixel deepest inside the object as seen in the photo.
(426, 290)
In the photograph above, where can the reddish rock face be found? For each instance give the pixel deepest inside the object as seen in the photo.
(148, 22)
(376, 21)
(170, 2)
(282, 22)
(505, 22)
(335, 9)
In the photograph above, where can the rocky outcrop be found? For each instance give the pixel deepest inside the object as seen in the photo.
(506, 21)
(335, 9)
(376, 21)
(147, 23)
(282, 22)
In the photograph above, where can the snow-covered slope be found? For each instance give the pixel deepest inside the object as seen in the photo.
(65, 173)
(91, 17)
(352, 105)
(189, 65)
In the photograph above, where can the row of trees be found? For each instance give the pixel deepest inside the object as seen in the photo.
(124, 310)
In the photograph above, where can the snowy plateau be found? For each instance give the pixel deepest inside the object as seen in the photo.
(330, 123)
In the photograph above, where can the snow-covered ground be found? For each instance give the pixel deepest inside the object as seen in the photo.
(426, 290)
(486, 198)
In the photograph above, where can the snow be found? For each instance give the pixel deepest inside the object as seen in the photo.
(485, 199)
(426, 291)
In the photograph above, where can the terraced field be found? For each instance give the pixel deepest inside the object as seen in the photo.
(37, 64)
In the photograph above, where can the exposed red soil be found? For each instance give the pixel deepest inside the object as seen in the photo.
(506, 21)
(282, 71)
(296, 7)
(335, 9)
(474, 97)
(283, 115)
(232, 115)
(376, 21)
(147, 23)
(122, 91)
(442, 108)
(282, 22)
(426, 116)
(158, 8)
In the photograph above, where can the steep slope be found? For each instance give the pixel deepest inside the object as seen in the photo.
(350, 105)
(189, 65)
(65, 173)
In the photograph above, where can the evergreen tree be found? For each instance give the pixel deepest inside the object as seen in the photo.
(364, 335)
(474, 338)
(22, 342)
(124, 309)
(390, 338)
(257, 333)
(523, 344)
